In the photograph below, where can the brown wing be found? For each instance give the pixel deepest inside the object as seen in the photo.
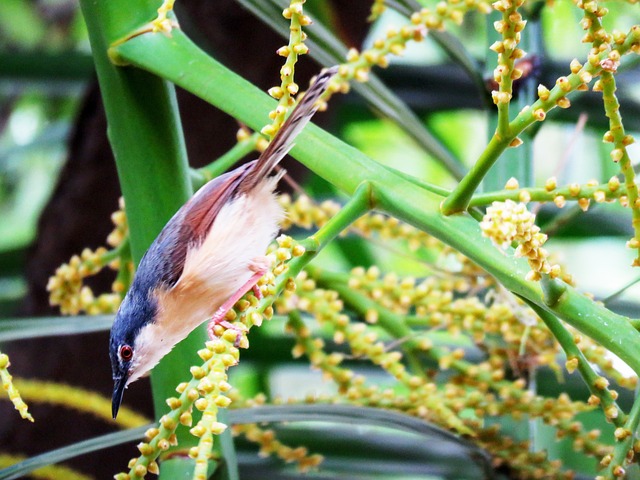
(164, 261)
(204, 206)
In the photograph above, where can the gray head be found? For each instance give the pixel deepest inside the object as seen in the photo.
(138, 309)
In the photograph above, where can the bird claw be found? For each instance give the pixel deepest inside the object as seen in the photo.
(219, 317)
(229, 326)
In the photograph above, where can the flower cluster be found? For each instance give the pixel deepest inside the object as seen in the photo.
(583, 194)
(482, 387)
(206, 391)
(510, 27)
(12, 391)
(359, 64)
(288, 88)
(508, 222)
(270, 445)
(66, 287)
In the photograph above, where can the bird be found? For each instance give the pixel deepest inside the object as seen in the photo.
(207, 256)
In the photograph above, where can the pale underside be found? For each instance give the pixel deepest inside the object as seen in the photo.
(213, 272)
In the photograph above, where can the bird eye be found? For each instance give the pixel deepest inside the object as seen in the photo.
(126, 353)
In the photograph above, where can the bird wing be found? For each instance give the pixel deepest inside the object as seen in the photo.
(293, 125)
(164, 261)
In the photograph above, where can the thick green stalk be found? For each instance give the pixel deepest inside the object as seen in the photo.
(345, 167)
(146, 138)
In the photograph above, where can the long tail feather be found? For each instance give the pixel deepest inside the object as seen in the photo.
(293, 125)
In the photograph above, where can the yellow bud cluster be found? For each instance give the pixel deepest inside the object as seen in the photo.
(68, 291)
(327, 308)
(12, 391)
(508, 222)
(285, 92)
(484, 321)
(66, 287)
(359, 64)
(303, 212)
(509, 27)
(270, 445)
(206, 390)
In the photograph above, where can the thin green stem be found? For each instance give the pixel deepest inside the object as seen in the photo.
(227, 160)
(568, 343)
(620, 154)
(624, 445)
(602, 192)
(620, 291)
(361, 202)
(459, 199)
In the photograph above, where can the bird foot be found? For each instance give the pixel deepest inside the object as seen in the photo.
(220, 316)
(240, 332)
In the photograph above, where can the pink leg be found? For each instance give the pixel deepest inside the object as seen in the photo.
(218, 317)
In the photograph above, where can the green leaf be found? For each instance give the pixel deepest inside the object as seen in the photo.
(58, 455)
(26, 328)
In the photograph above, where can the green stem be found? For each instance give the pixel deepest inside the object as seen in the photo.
(541, 194)
(226, 161)
(620, 140)
(622, 447)
(611, 297)
(361, 202)
(459, 199)
(571, 350)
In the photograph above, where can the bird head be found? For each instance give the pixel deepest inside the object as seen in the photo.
(129, 349)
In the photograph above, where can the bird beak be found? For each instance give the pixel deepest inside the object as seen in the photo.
(119, 384)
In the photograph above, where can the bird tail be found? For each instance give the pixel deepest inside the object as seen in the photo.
(293, 125)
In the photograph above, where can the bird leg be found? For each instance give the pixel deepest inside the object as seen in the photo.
(260, 267)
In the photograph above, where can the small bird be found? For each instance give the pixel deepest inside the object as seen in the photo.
(206, 258)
